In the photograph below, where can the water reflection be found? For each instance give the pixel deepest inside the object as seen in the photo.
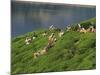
(28, 17)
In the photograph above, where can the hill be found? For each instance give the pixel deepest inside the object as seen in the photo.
(72, 51)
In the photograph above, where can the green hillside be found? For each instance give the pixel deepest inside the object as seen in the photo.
(72, 51)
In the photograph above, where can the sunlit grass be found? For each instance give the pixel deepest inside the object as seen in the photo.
(72, 51)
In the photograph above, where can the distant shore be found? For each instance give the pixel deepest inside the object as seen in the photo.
(51, 3)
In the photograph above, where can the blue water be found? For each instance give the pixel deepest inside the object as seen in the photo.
(26, 17)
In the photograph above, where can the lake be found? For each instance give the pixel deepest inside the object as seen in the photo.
(29, 16)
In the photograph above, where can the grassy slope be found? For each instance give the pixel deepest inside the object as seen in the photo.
(73, 51)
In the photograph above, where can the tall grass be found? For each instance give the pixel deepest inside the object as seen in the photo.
(72, 51)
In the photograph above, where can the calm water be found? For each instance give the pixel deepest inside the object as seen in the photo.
(26, 17)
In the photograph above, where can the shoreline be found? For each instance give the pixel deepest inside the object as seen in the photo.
(52, 3)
